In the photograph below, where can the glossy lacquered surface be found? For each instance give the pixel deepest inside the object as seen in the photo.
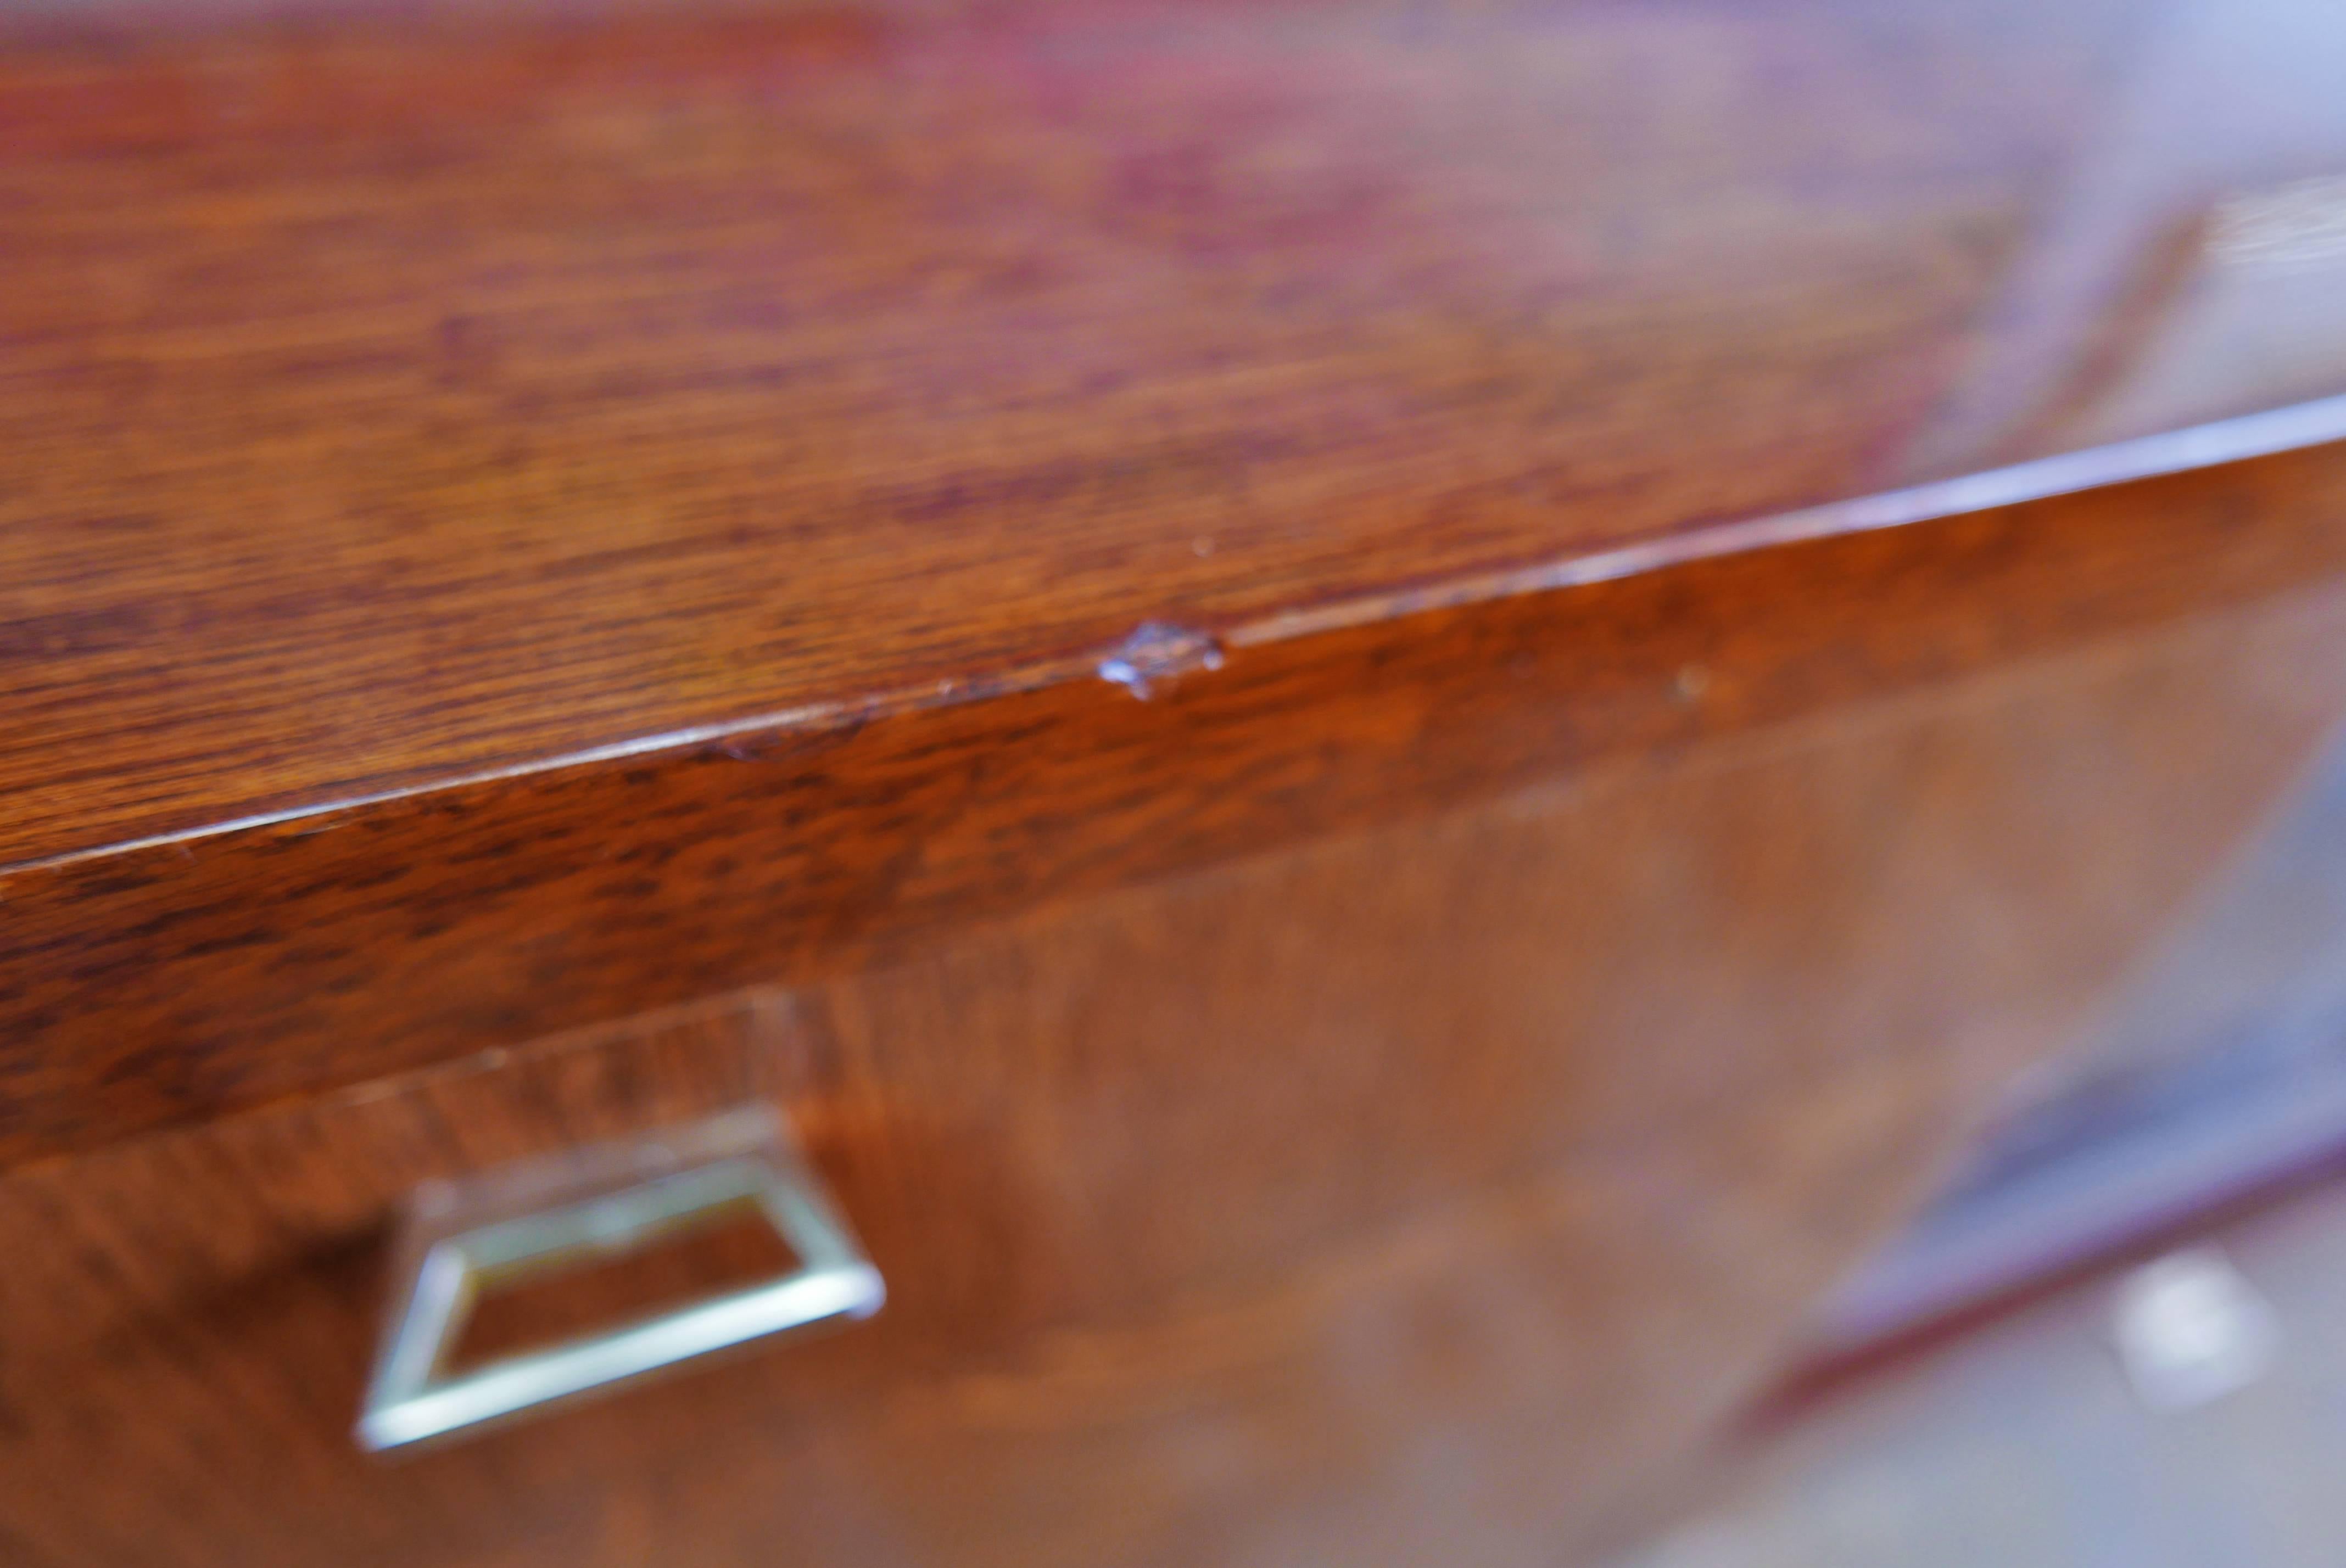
(176, 982)
(396, 394)
(1421, 1193)
(1266, 631)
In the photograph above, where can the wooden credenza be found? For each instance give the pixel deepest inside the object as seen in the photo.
(1385, 722)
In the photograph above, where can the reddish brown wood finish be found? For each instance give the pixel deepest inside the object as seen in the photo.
(1420, 1191)
(638, 500)
(179, 980)
(395, 396)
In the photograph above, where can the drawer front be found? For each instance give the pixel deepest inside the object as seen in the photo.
(1416, 1193)
(1103, 1343)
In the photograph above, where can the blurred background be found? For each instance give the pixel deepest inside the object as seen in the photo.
(2120, 1337)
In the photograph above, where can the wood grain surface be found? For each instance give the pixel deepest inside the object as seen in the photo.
(396, 394)
(1054, 549)
(1417, 1194)
(179, 980)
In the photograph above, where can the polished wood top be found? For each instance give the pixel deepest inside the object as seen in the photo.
(393, 399)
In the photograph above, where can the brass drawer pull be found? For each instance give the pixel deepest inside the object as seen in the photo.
(591, 1205)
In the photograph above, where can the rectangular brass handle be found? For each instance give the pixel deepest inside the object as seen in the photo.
(593, 1202)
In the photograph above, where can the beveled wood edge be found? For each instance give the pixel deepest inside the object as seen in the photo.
(2267, 433)
(191, 979)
